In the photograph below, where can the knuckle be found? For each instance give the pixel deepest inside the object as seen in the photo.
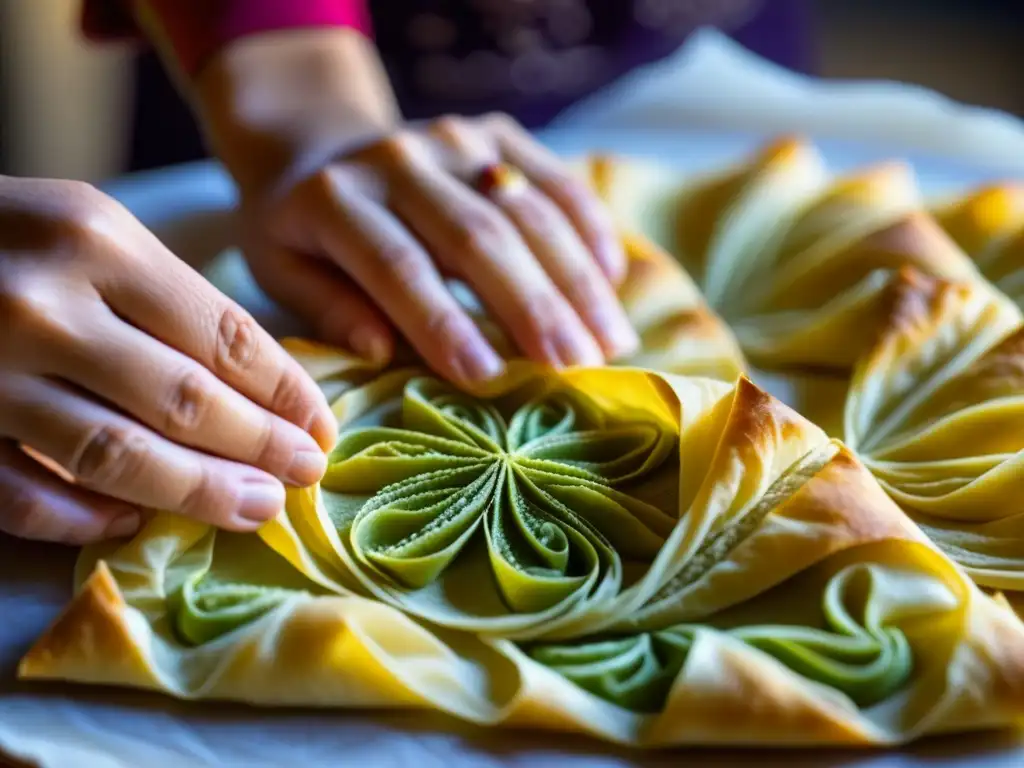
(237, 340)
(208, 496)
(79, 199)
(399, 150)
(542, 216)
(108, 455)
(187, 404)
(450, 126)
(91, 219)
(541, 312)
(291, 400)
(447, 328)
(27, 314)
(402, 264)
(567, 190)
(26, 514)
(479, 231)
(20, 313)
(79, 192)
(320, 185)
(274, 451)
(501, 122)
(586, 287)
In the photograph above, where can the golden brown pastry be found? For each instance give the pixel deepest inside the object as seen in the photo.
(791, 257)
(649, 559)
(936, 411)
(989, 225)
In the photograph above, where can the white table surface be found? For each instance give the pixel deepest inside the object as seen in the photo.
(66, 726)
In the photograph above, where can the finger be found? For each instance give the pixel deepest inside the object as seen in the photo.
(180, 399)
(380, 254)
(111, 455)
(583, 208)
(170, 301)
(560, 251)
(36, 504)
(321, 295)
(549, 235)
(473, 239)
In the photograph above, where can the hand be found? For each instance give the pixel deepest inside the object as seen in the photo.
(127, 381)
(353, 222)
(371, 235)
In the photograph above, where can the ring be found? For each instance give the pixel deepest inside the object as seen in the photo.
(499, 178)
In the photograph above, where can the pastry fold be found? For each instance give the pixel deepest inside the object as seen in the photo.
(793, 258)
(936, 411)
(650, 559)
(988, 224)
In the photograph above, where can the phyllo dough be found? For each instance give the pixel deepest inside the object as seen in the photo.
(936, 411)
(793, 258)
(988, 224)
(650, 559)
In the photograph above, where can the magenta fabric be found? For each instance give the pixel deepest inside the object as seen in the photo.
(193, 30)
(529, 58)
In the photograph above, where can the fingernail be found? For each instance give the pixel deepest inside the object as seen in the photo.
(262, 499)
(620, 339)
(124, 525)
(478, 362)
(371, 345)
(577, 349)
(307, 467)
(324, 429)
(612, 260)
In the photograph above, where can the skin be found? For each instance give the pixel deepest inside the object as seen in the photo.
(353, 220)
(127, 382)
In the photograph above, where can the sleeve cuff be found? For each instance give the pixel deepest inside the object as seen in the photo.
(191, 31)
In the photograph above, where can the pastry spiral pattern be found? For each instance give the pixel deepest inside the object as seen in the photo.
(650, 559)
(791, 256)
(656, 553)
(935, 408)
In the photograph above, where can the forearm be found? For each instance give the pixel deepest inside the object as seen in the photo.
(277, 86)
(290, 100)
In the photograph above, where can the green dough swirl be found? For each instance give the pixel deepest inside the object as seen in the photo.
(542, 484)
(205, 610)
(863, 659)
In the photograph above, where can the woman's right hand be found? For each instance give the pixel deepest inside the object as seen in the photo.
(144, 385)
(352, 219)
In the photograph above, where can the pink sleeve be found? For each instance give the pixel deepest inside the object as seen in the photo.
(193, 30)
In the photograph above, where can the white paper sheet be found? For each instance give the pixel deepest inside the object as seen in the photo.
(75, 727)
(713, 84)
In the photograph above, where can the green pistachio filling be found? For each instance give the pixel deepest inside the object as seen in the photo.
(541, 484)
(551, 496)
(860, 657)
(206, 609)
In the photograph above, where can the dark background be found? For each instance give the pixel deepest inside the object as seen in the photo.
(74, 110)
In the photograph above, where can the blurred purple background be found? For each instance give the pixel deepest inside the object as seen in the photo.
(76, 110)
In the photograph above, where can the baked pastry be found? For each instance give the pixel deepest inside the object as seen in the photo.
(989, 225)
(649, 559)
(936, 411)
(791, 257)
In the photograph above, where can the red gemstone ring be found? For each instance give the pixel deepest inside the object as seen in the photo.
(499, 178)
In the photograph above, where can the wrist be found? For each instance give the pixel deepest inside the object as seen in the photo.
(278, 105)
